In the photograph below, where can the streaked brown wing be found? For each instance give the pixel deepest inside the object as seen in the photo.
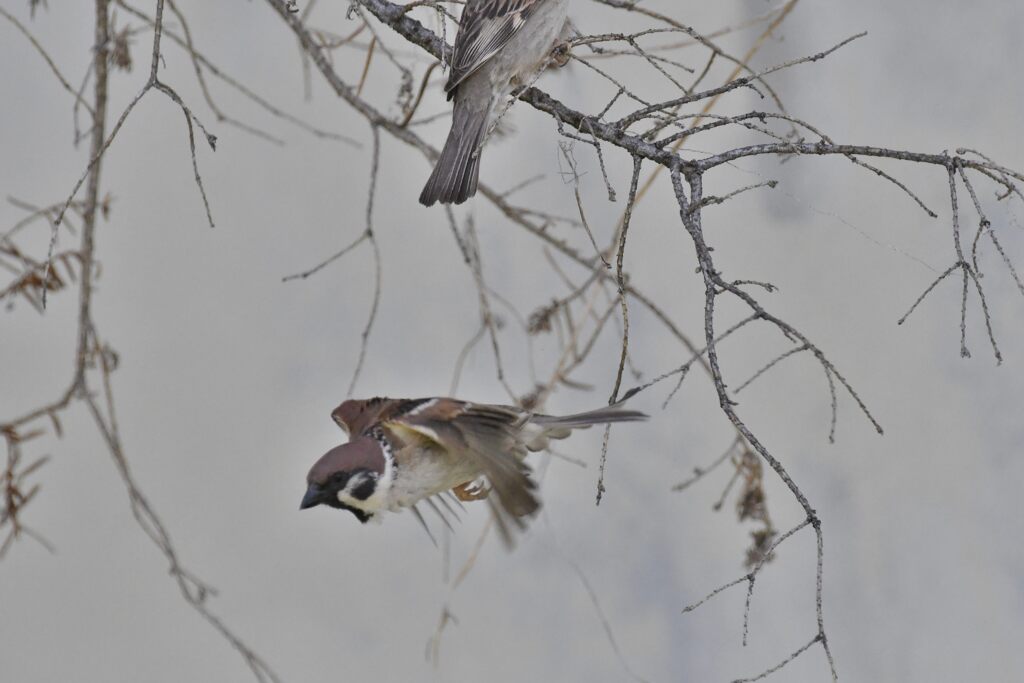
(485, 28)
(356, 416)
(485, 433)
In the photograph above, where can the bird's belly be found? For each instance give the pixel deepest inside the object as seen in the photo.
(428, 475)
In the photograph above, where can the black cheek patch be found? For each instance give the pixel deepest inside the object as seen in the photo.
(365, 489)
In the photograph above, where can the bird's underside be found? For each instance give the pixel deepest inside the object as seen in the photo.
(440, 452)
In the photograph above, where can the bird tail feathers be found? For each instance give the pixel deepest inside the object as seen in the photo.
(457, 172)
(560, 427)
(603, 415)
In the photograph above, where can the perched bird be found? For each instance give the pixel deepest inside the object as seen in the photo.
(402, 452)
(500, 44)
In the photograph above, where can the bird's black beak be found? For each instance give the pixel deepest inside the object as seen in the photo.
(314, 496)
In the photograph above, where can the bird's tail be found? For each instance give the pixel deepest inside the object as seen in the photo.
(559, 427)
(457, 172)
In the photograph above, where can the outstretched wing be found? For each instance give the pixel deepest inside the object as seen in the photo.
(486, 434)
(356, 417)
(485, 28)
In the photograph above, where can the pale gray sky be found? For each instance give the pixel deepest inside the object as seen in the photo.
(227, 377)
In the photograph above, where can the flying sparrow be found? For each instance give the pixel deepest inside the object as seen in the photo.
(500, 43)
(402, 452)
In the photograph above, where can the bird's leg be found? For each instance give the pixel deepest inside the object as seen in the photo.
(560, 53)
(470, 491)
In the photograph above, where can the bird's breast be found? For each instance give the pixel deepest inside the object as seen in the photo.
(421, 473)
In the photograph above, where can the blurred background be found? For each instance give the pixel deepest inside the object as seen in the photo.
(227, 375)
